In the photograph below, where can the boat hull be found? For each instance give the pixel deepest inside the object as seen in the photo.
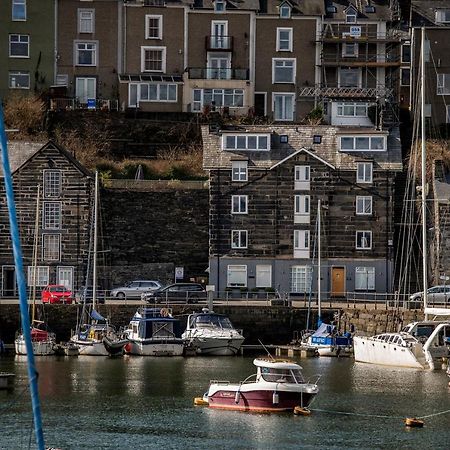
(152, 348)
(40, 348)
(90, 347)
(334, 351)
(371, 351)
(216, 346)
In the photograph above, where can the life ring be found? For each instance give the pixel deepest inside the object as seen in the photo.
(164, 312)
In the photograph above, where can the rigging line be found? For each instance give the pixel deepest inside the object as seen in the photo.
(356, 414)
(435, 414)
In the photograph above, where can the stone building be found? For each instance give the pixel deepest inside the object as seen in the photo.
(265, 184)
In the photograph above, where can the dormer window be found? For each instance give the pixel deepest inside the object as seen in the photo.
(350, 16)
(443, 16)
(331, 9)
(219, 6)
(285, 11)
(369, 9)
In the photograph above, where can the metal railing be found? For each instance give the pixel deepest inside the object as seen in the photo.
(344, 92)
(357, 31)
(155, 185)
(338, 57)
(73, 103)
(213, 73)
(219, 42)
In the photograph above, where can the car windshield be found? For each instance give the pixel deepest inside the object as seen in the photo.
(208, 320)
(58, 289)
(281, 375)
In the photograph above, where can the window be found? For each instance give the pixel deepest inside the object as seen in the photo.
(301, 243)
(352, 109)
(362, 143)
(153, 59)
(62, 79)
(152, 92)
(232, 98)
(350, 49)
(52, 183)
(19, 10)
(239, 170)
(19, 46)
(300, 279)
(283, 107)
(406, 53)
(52, 216)
(257, 142)
(153, 27)
(301, 208)
(86, 20)
(363, 205)
(349, 78)
(364, 172)
(263, 276)
(237, 276)
(284, 39)
(284, 139)
(19, 80)
(443, 83)
(364, 278)
(239, 204)
(219, 6)
(302, 177)
(443, 15)
(363, 240)
(405, 77)
(239, 238)
(283, 70)
(51, 245)
(350, 16)
(85, 53)
(40, 274)
(285, 11)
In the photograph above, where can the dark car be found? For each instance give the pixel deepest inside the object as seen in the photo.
(87, 293)
(176, 293)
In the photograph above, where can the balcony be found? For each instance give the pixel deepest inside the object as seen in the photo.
(334, 59)
(219, 43)
(72, 104)
(333, 91)
(212, 73)
(341, 32)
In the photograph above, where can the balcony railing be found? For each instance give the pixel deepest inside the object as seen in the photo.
(336, 58)
(219, 42)
(211, 73)
(331, 91)
(67, 104)
(365, 32)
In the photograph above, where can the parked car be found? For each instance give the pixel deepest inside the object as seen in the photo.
(87, 293)
(134, 289)
(177, 292)
(435, 295)
(56, 293)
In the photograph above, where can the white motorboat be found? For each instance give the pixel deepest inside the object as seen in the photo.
(328, 342)
(43, 341)
(278, 385)
(154, 332)
(212, 334)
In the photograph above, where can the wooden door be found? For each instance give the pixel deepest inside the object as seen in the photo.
(337, 281)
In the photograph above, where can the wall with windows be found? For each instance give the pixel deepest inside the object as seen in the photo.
(350, 113)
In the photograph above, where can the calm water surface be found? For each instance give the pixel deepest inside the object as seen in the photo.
(146, 403)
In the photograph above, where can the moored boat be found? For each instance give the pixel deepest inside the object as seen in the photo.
(212, 334)
(328, 342)
(278, 385)
(42, 340)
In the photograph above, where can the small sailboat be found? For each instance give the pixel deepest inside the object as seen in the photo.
(43, 341)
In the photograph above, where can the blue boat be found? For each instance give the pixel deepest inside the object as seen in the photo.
(329, 342)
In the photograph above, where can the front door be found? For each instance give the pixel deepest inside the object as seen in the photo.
(338, 281)
(65, 277)
(260, 104)
(85, 89)
(219, 67)
(9, 285)
(219, 31)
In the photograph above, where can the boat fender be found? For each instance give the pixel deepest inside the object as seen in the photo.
(275, 398)
(300, 411)
(237, 397)
(200, 401)
(413, 422)
(164, 312)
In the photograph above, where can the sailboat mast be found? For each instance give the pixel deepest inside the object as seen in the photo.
(35, 252)
(319, 266)
(424, 181)
(94, 264)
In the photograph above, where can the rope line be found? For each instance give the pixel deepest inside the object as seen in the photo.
(435, 414)
(356, 414)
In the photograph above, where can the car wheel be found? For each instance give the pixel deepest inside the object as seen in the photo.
(120, 295)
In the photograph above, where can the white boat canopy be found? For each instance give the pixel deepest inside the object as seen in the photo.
(438, 311)
(276, 364)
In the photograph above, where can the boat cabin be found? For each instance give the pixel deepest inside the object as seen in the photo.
(402, 339)
(209, 320)
(273, 371)
(154, 323)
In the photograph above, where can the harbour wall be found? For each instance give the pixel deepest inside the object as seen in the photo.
(270, 324)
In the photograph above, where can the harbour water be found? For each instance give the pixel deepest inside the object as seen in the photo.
(147, 403)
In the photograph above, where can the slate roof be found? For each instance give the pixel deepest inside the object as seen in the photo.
(19, 152)
(427, 10)
(382, 9)
(301, 137)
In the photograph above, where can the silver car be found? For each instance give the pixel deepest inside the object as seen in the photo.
(134, 289)
(435, 295)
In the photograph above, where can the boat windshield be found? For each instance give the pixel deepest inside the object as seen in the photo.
(423, 330)
(208, 321)
(282, 375)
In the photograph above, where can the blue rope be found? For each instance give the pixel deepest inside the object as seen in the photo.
(21, 284)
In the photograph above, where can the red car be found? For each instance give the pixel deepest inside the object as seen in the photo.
(56, 293)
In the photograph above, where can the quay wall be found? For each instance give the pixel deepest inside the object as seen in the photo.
(270, 324)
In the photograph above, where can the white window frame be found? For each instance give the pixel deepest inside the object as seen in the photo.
(241, 271)
(343, 109)
(48, 255)
(301, 243)
(239, 171)
(145, 48)
(443, 15)
(197, 105)
(42, 276)
(371, 140)
(60, 280)
(302, 208)
(443, 83)
(285, 11)
(146, 99)
(263, 276)
(354, 70)
(365, 234)
(93, 51)
(302, 178)
(13, 74)
(284, 60)
(289, 42)
(87, 20)
(284, 95)
(48, 222)
(21, 37)
(148, 17)
(239, 239)
(244, 142)
(367, 172)
(300, 279)
(351, 16)
(241, 208)
(364, 205)
(346, 46)
(364, 278)
(18, 3)
(403, 59)
(220, 6)
(52, 178)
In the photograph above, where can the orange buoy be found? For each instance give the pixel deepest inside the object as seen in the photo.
(413, 422)
(199, 401)
(300, 411)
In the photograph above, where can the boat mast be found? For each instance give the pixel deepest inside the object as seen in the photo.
(319, 267)
(424, 181)
(94, 264)
(35, 252)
